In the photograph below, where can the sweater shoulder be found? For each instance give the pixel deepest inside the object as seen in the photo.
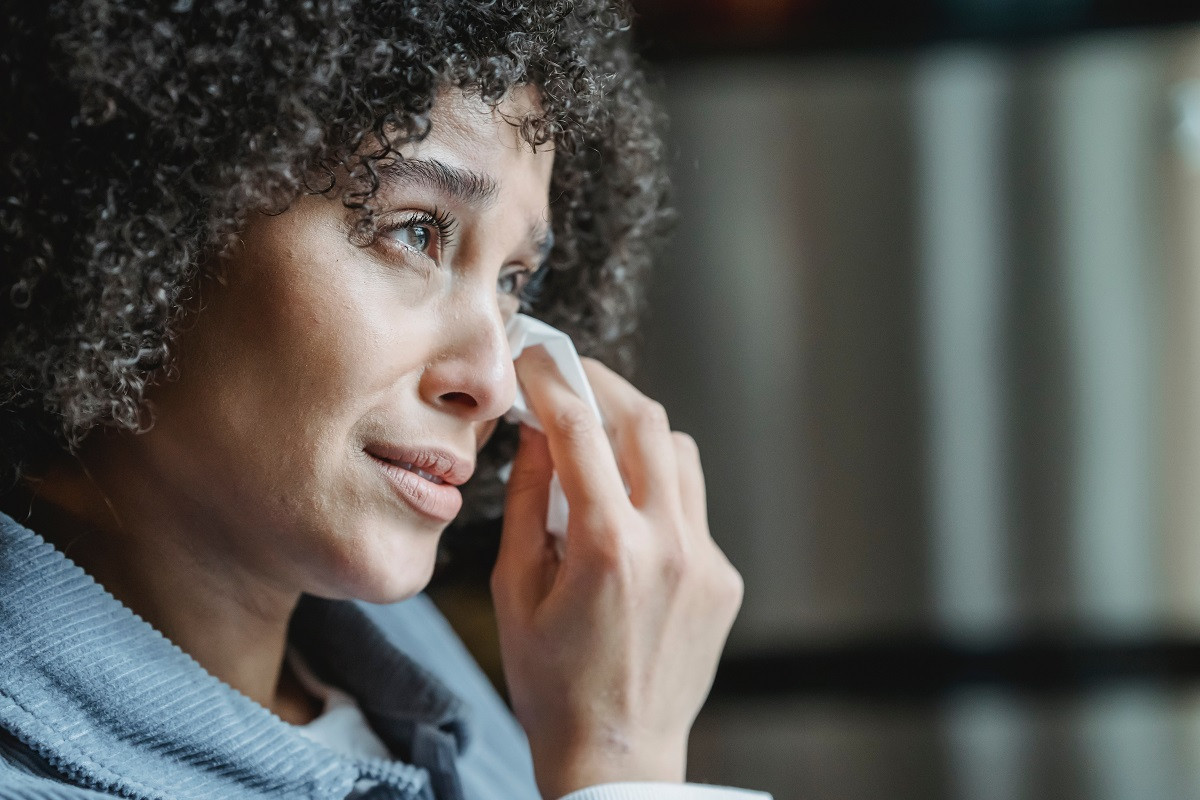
(16, 786)
(25, 776)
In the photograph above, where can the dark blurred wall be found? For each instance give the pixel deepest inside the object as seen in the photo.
(785, 333)
(933, 315)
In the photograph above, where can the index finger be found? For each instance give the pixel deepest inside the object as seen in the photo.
(579, 446)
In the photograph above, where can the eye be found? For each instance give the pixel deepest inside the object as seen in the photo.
(513, 280)
(427, 233)
(418, 236)
(521, 283)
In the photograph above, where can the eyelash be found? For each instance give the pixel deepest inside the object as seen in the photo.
(440, 220)
(445, 225)
(529, 292)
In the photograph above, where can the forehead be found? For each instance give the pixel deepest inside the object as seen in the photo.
(469, 134)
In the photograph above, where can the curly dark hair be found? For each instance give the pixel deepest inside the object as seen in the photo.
(138, 138)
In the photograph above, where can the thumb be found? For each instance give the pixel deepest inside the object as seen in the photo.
(524, 543)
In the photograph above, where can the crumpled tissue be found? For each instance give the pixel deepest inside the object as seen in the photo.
(525, 331)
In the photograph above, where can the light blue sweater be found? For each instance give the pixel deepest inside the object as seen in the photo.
(93, 695)
(94, 702)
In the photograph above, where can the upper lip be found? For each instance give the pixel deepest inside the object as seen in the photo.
(437, 461)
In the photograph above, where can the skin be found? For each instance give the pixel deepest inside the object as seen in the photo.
(258, 481)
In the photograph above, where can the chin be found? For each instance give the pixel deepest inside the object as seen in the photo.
(389, 565)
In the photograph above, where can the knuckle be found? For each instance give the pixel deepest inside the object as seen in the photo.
(685, 443)
(609, 557)
(605, 544)
(686, 449)
(735, 587)
(652, 416)
(575, 421)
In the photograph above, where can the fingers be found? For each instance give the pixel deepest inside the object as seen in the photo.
(661, 468)
(524, 545)
(692, 491)
(642, 437)
(528, 493)
(578, 443)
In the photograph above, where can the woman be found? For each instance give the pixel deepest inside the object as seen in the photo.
(258, 264)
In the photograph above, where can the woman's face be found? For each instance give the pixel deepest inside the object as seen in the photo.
(320, 375)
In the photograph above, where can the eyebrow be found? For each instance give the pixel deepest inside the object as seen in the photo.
(463, 185)
(468, 187)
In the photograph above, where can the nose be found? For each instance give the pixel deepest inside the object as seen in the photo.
(473, 376)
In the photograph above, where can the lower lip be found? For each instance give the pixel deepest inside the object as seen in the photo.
(439, 501)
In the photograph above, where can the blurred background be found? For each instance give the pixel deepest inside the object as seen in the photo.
(932, 312)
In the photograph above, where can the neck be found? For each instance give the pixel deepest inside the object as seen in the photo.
(174, 575)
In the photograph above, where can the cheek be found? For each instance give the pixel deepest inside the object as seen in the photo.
(319, 343)
(310, 336)
(294, 351)
(274, 372)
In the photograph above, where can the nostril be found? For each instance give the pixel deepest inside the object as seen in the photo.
(460, 398)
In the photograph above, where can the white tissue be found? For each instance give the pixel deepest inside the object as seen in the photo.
(525, 332)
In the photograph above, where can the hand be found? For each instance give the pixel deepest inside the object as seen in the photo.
(609, 652)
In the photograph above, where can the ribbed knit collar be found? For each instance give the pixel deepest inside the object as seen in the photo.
(106, 699)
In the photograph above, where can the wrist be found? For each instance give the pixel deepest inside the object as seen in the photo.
(560, 771)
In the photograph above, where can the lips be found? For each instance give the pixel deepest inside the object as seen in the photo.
(427, 462)
(425, 478)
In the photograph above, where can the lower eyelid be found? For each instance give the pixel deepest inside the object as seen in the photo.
(405, 250)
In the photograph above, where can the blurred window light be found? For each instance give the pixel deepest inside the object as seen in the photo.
(1186, 102)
